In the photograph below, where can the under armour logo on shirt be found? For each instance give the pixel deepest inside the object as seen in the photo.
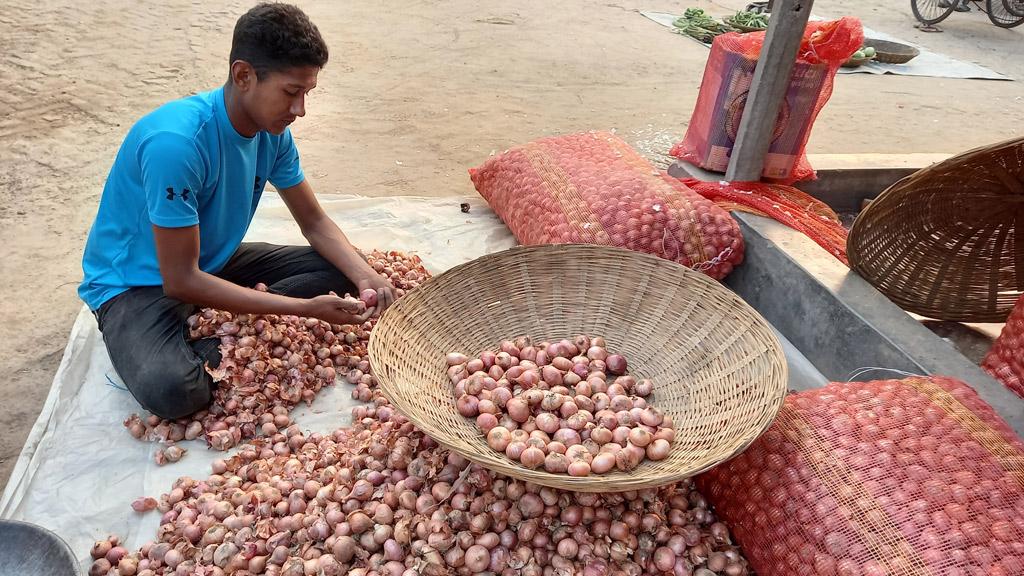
(184, 194)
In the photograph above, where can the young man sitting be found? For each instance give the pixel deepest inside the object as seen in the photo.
(179, 198)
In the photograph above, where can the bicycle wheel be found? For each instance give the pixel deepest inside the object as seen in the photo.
(932, 11)
(1000, 15)
(1015, 7)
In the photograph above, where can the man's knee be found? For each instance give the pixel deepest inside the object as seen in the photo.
(172, 390)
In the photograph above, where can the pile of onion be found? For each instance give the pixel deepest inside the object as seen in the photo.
(382, 499)
(270, 363)
(567, 407)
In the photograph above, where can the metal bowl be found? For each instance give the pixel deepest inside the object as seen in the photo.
(29, 549)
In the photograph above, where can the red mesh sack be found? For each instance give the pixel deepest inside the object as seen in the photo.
(893, 477)
(728, 74)
(786, 204)
(1005, 361)
(593, 188)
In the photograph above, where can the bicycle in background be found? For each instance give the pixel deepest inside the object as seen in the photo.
(1002, 13)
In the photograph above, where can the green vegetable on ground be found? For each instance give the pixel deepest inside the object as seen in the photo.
(862, 53)
(698, 24)
(750, 19)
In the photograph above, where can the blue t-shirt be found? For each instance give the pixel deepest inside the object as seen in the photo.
(181, 165)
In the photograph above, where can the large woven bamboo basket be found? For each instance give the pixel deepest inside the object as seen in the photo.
(717, 367)
(943, 242)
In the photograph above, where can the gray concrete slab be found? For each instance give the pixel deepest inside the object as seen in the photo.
(842, 324)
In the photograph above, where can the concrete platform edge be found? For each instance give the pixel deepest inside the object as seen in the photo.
(841, 323)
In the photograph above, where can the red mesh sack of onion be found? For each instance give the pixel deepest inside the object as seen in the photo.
(915, 476)
(1005, 361)
(592, 188)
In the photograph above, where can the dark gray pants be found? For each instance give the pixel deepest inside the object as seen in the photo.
(147, 338)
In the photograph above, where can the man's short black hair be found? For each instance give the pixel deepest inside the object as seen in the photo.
(273, 37)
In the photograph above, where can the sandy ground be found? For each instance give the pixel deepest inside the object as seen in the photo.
(415, 93)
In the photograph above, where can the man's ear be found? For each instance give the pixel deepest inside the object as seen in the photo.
(243, 75)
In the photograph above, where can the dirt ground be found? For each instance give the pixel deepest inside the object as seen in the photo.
(415, 93)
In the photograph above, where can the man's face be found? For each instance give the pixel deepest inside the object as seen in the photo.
(280, 97)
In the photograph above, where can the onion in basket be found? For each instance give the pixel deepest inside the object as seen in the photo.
(568, 406)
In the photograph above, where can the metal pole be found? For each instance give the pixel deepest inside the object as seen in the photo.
(768, 88)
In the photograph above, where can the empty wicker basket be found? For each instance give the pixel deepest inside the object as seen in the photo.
(943, 241)
(718, 369)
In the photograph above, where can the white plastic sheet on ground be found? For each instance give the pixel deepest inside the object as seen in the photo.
(927, 63)
(80, 469)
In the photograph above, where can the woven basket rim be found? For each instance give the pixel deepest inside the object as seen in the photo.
(923, 214)
(898, 49)
(772, 359)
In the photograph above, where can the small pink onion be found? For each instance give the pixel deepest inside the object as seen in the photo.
(486, 422)
(529, 379)
(567, 548)
(532, 457)
(667, 434)
(567, 436)
(628, 458)
(547, 422)
(602, 463)
(530, 505)
(551, 375)
(556, 447)
(579, 468)
(601, 435)
(468, 406)
(643, 388)
(664, 559)
(578, 452)
(501, 396)
(515, 450)
(639, 437)
(556, 463)
(498, 438)
(616, 364)
(477, 558)
(518, 409)
(456, 358)
(369, 297)
(562, 363)
(658, 449)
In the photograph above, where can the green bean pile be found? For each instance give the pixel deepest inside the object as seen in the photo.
(698, 24)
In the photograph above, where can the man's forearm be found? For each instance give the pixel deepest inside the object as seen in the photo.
(207, 290)
(331, 243)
